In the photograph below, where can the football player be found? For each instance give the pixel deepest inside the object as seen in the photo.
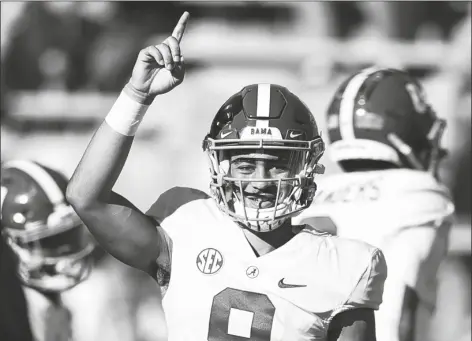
(231, 266)
(49, 241)
(14, 324)
(386, 139)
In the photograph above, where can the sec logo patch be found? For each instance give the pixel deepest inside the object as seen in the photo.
(209, 261)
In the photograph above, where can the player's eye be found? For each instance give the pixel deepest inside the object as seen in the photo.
(245, 168)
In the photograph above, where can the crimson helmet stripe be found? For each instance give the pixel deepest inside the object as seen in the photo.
(263, 105)
(44, 180)
(348, 101)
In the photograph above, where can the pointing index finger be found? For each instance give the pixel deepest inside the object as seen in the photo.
(180, 27)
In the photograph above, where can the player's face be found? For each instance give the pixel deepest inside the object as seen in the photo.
(264, 165)
(56, 262)
(60, 245)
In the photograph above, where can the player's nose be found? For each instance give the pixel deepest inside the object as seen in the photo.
(262, 172)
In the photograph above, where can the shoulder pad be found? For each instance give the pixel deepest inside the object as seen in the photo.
(172, 199)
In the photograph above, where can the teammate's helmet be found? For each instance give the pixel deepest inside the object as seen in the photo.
(264, 117)
(52, 245)
(381, 114)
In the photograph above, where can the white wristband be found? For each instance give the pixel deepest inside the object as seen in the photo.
(126, 115)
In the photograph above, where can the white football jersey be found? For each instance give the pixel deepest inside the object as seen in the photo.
(405, 213)
(219, 289)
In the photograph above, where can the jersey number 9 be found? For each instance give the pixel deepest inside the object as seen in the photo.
(240, 315)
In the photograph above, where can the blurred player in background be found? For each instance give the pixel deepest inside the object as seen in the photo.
(50, 244)
(232, 266)
(14, 323)
(387, 140)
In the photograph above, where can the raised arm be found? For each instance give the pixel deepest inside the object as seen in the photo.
(120, 228)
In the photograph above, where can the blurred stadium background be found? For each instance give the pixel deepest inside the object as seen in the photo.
(63, 64)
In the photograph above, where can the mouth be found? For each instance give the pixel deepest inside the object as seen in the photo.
(258, 200)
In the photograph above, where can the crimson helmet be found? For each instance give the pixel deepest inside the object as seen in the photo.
(264, 117)
(381, 114)
(52, 245)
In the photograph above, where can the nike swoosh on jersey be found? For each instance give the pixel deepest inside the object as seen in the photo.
(285, 285)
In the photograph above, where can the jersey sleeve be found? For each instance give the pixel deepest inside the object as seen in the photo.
(369, 290)
(165, 205)
(415, 255)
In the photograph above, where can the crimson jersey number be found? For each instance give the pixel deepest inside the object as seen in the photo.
(240, 315)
